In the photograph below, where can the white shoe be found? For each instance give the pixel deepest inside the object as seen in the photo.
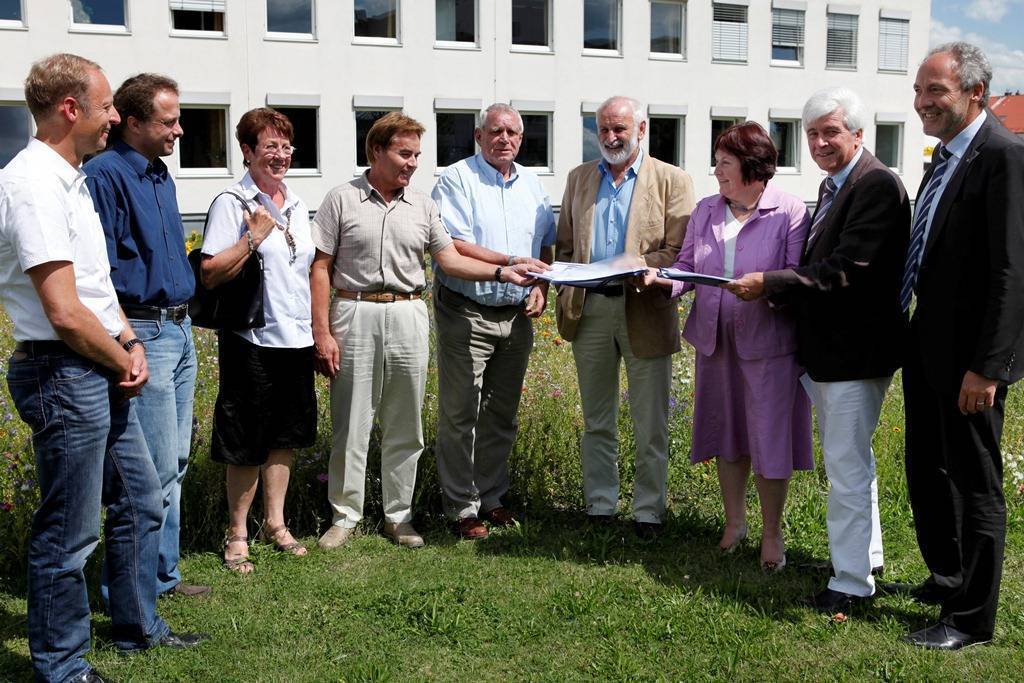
(403, 534)
(335, 537)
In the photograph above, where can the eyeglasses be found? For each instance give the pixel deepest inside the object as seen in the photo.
(167, 123)
(274, 149)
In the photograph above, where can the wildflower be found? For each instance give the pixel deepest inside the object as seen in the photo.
(897, 430)
(322, 477)
(839, 618)
(6, 507)
(557, 393)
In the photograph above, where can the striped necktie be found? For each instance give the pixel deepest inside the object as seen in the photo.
(924, 205)
(826, 201)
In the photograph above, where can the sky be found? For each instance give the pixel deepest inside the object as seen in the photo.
(996, 26)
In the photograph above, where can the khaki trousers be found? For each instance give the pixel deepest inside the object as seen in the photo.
(384, 354)
(602, 342)
(482, 354)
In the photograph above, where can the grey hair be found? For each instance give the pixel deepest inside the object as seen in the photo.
(824, 102)
(634, 105)
(972, 66)
(498, 107)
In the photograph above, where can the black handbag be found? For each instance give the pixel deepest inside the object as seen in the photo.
(233, 305)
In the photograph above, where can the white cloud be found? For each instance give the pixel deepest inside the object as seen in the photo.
(987, 10)
(1007, 62)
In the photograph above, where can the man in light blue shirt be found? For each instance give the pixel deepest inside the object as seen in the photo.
(497, 212)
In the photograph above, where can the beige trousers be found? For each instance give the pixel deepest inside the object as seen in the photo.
(384, 355)
(601, 344)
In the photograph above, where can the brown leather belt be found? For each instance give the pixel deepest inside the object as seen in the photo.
(382, 297)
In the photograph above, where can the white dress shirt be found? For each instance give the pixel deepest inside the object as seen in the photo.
(46, 216)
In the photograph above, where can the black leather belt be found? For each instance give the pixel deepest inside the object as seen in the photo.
(175, 314)
(42, 347)
(608, 290)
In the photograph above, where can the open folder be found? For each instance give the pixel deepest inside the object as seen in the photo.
(597, 274)
(696, 278)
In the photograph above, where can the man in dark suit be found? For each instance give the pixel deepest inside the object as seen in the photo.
(966, 264)
(844, 295)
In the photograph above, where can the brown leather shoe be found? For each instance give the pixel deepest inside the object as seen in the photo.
(189, 590)
(472, 529)
(499, 516)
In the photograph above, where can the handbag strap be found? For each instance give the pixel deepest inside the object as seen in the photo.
(241, 200)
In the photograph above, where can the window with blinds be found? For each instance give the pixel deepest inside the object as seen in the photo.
(893, 41)
(197, 15)
(729, 33)
(841, 46)
(788, 35)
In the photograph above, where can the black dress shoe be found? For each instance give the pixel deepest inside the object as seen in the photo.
(599, 520)
(187, 590)
(829, 601)
(942, 637)
(181, 641)
(647, 531)
(89, 676)
(926, 593)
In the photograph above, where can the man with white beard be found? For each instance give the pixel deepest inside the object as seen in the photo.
(625, 203)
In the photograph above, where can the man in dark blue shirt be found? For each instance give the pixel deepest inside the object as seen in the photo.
(136, 201)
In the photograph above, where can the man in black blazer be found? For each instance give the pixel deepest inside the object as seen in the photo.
(849, 327)
(966, 264)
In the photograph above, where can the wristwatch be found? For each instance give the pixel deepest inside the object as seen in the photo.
(497, 274)
(132, 343)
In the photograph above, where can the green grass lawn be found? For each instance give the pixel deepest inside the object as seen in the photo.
(552, 600)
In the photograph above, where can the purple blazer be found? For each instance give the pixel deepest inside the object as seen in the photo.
(772, 239)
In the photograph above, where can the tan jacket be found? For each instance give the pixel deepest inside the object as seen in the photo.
(658, 214)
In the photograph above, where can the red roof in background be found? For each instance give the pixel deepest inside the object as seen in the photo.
(1010, 110)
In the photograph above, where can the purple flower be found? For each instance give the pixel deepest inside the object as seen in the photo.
(6, 507)
(322, 477)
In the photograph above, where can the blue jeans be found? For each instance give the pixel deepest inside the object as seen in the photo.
(89, 452)
(165, 413)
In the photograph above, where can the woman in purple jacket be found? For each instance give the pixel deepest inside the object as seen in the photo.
(750, 411)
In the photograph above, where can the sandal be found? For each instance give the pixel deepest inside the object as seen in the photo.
(269, 535)
(241, 564)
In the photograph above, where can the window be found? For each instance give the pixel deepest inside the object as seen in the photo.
(889, 144)
(728, 33)
(377, 19)
(668, 28)
(15, 130)
(893, 38)
(306, 136)
(202, 16)
(785, 135)
(665, 139)
(365, 118)
(788, 35)
(591, 145)
(11, 14)
(535, 151)
(841, 41)
(104, 14)
(531, 23)
(455, 136)
(719, 124)
(290, 17)
(601, 24)
(205, 147)
(455, 21)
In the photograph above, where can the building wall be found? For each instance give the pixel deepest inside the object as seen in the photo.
(242, 67)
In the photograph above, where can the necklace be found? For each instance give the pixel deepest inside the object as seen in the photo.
(288, 237)
(744, 209)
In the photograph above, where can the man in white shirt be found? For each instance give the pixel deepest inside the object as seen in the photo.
(496, 212)
(75, 366)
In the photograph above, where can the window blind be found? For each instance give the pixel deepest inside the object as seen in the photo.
(729, 33)
(841, 48)
(198, 5)
(893, 39)
(787, 27)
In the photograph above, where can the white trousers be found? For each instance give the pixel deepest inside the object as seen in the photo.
(602, 342)
(384, 355)
(847, 415)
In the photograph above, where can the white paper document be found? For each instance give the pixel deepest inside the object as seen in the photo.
(696, 278)
(595, 274)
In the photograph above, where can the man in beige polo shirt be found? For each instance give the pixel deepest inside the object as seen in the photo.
(624, 203)
(372, 235)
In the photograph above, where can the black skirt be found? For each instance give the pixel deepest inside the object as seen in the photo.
(266, 401)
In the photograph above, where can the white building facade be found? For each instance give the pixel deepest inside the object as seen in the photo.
(334, 65)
